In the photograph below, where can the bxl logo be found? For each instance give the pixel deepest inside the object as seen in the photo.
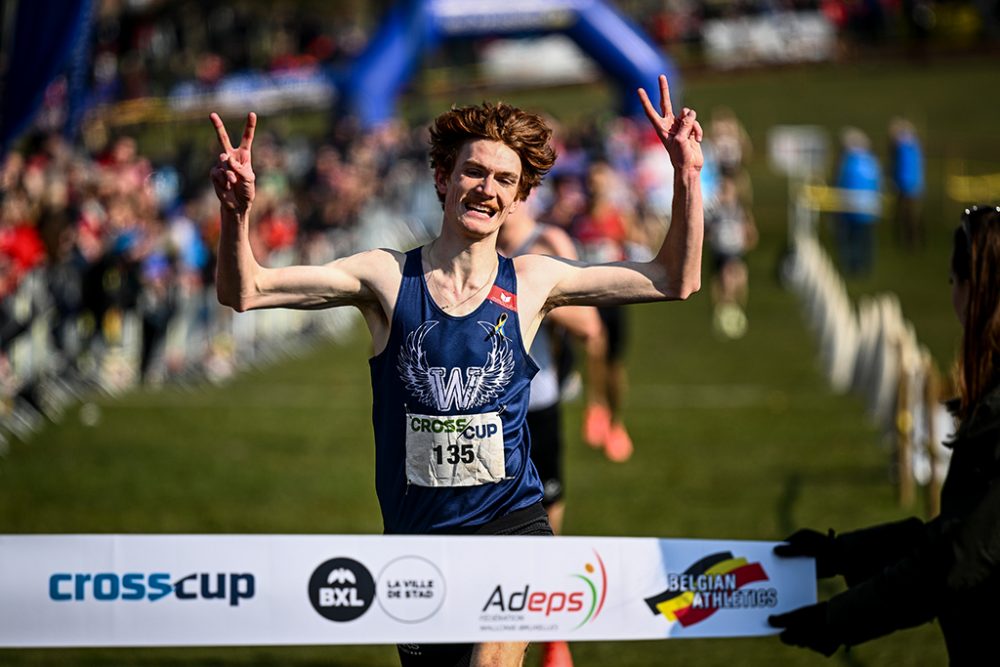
(341, 589)
(339, 597)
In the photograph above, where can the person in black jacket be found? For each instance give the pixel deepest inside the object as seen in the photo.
(907, 573)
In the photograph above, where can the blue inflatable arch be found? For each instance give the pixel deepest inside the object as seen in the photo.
(414, 27)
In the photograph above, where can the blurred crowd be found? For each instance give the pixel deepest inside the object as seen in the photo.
(865, 190)
(861, 21)
(114, 235)
(143, 48)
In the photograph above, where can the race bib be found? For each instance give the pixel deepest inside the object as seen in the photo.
(460, 450)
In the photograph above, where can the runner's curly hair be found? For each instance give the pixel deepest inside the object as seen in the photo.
(524, 132)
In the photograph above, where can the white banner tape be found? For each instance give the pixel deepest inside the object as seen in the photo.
(216, 590)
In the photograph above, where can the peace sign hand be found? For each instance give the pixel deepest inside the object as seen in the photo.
(232, 175)
(681, 135)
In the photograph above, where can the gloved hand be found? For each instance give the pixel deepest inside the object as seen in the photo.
(806, 627)
(806, 542)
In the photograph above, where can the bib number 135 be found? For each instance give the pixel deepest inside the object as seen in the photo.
(461, 450)
(456, 453)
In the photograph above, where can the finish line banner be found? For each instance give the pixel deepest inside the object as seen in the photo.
(253, 590)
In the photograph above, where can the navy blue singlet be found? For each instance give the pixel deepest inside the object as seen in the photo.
(439, 365)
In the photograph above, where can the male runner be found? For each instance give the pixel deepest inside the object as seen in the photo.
(451, 321)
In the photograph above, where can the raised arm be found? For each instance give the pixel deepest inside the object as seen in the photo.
(243, 284)
(680, 256)
(675, 272)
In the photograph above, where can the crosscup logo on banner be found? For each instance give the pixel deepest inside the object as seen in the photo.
(715, 582)
(575, 603)
(132, 586)
(341, 589)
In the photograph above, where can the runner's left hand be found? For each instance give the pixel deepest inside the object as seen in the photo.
(681, 135)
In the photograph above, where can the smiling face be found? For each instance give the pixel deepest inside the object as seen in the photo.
(481, 190)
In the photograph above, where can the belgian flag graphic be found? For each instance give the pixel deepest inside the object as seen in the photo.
(722, 569)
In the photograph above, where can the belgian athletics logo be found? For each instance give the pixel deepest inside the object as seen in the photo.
(715, 582)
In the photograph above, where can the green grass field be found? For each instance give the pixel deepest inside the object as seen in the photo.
(737, 440)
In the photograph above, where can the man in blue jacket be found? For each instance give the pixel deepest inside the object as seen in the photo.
(859, 177)
(907, 165)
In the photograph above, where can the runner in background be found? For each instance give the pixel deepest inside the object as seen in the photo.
(730, 232)
(729, 225)
(602, 232)
(731, 148)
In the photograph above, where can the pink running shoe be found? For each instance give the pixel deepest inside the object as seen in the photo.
(596, 423)
(556, 654)
(618, 445)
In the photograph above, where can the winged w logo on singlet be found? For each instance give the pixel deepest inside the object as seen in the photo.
(446, 388)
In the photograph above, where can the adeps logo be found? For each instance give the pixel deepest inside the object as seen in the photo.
(583, 598)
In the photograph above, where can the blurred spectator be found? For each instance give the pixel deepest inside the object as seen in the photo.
(21, 246)
(859, 177)
(156, 306)
(654, 176)
(906, 162)
(906, 573)
(123, 170)
(731, 149)
(63, 275)
(568, 200)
